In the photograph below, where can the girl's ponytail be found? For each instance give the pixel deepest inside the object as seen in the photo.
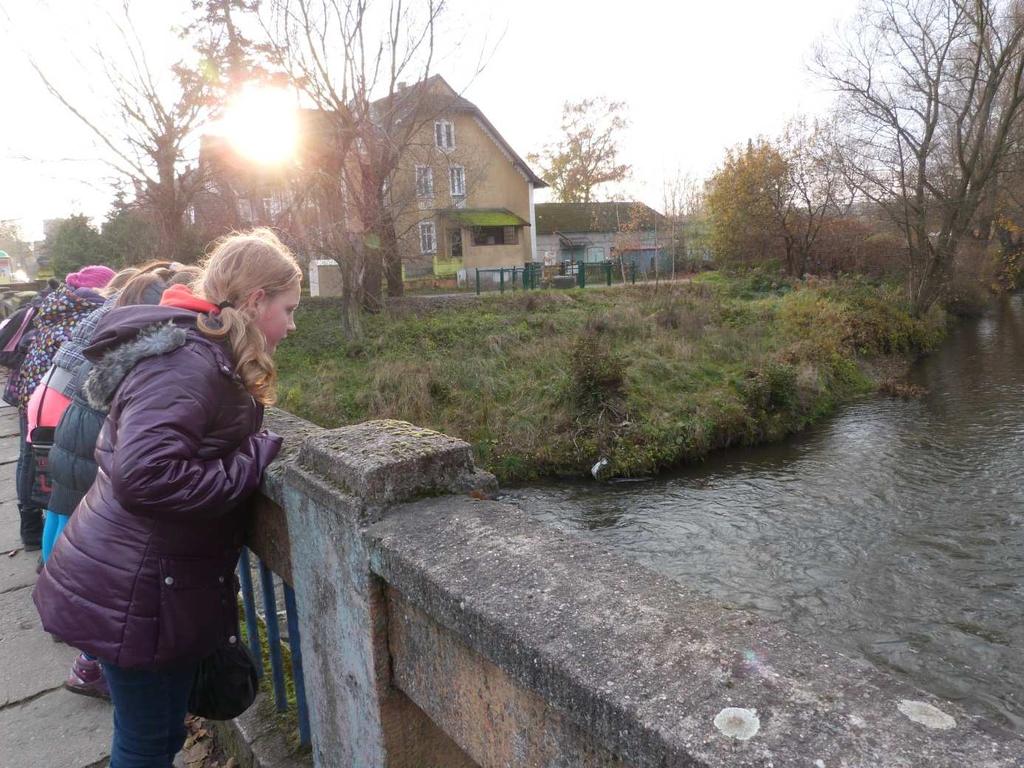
(239, 265)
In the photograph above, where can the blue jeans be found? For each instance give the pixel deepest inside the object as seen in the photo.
(149, 714)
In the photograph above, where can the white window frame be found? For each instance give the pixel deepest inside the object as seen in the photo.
(457, 180)
(424, 181)
(428, 238)
(444, 134)
(274, 207)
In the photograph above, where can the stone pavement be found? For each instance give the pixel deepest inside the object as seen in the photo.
(41, 724)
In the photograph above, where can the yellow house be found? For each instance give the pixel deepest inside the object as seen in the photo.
(463, 197)
(460, 197)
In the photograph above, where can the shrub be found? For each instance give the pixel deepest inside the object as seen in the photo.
(598, 380)
(769, 388)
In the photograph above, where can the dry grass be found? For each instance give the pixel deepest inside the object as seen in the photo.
(545, 383)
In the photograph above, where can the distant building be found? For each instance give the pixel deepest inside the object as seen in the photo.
(627, 231)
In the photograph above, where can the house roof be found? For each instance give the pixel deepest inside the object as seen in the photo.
(557, 218)
(484, 217)
(457, 103)
(315, 123)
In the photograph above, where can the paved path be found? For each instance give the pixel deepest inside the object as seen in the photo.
(41, 724)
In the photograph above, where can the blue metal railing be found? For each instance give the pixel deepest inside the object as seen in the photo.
(273, 632)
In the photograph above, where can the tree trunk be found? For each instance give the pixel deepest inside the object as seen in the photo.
(372, 277)
(351, 295)
(933, 278)
(392, 257)
(170, 227)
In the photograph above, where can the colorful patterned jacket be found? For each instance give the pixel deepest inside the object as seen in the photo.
(58, 315)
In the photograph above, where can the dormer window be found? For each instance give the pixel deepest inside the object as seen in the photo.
(444, 134)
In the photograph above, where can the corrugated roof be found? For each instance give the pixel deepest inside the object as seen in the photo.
(484, 217)
(617, 216)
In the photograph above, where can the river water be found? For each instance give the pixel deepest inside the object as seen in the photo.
(893, 532)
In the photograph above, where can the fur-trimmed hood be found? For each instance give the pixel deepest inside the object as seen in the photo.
(108, 373)
(127, 335)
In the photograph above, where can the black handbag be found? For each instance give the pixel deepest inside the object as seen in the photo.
(225, 684)
(41, 441)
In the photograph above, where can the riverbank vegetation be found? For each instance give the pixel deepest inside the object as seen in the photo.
(549, 383)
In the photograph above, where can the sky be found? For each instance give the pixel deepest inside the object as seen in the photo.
(697, 77)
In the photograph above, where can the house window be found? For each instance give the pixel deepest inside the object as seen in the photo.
(444, 134)
(455, 243)
(274, 206)
(428, 237)
(495, 235)
(424, 181)
(457, 179)
(595, 254)
(245, 210)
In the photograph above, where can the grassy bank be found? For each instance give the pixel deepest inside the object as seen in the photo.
(548, 383)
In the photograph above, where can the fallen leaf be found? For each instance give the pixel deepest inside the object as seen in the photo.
(197, 753)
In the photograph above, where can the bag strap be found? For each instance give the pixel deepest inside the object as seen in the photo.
(42, 397)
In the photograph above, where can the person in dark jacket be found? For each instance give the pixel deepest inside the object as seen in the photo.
(53, 395)
(143, 577)
(72, 467)
(72, 463)
(59, 312)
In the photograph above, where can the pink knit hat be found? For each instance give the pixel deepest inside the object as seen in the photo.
(95, 276)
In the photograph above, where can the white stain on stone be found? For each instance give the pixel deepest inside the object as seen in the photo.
(925, 714)
(738, 723)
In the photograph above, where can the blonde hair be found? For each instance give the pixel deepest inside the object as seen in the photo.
(239, 265)
(148, 286)
(118, 281)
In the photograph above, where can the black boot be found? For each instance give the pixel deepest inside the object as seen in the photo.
(31, 528)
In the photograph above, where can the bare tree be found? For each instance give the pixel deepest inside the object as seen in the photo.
(365, 65)
(683, 196)
(684, 203)
(587, 155)
(930, 93)
(812, 188)
(157, 117)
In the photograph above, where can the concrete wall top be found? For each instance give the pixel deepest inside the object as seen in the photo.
(657, 674)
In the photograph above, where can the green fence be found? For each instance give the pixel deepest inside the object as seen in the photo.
(568, 274)
(526, 277)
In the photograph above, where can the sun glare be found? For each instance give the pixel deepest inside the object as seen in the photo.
(261, 123)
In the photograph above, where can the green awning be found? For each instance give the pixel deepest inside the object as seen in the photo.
(484, 217)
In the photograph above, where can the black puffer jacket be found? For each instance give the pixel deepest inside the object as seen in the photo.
(72, 457)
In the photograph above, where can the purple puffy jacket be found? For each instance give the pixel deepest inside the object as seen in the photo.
(143, 575)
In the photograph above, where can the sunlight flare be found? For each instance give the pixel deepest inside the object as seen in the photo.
(261, 122)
